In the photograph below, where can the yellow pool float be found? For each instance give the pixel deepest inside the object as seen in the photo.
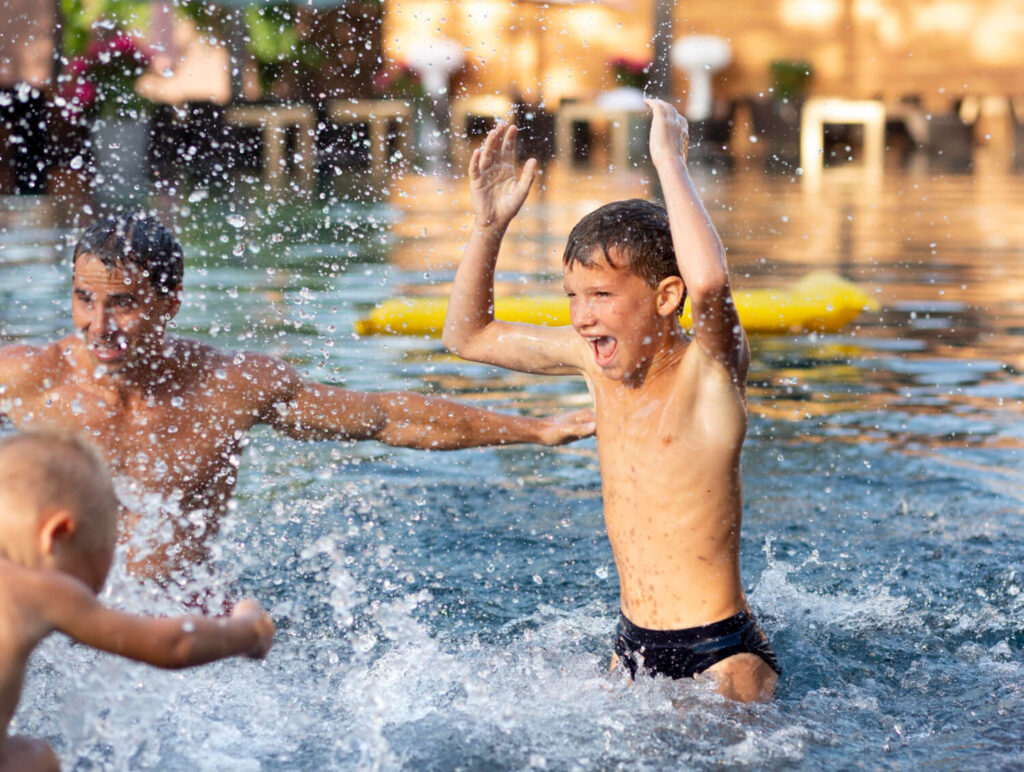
(820, 302)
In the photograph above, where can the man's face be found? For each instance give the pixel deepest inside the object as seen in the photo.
(117, 312)
(615, 311)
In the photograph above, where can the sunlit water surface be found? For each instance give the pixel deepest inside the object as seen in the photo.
(455, 610)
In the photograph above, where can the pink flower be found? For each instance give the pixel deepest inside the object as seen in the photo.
(122, 44)
(78, 65)
(634, 66)
(79, 95)
(85, 94)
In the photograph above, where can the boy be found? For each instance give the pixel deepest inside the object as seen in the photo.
(671, 410)
(58, 528)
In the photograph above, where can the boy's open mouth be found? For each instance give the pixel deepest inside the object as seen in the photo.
(604, 349)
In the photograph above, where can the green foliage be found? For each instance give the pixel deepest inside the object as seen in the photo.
(82, 23)
(275, 44)
(630, 73)
(208, 17)
(789, 78)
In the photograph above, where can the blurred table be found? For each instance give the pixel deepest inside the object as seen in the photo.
(379, 115)
(618, 121)
(492, 107)
(869, 113)
(275, 120)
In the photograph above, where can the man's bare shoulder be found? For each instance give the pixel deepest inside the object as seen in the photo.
(238, 371)
(25, 368)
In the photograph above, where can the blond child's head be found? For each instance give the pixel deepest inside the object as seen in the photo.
(58, 509)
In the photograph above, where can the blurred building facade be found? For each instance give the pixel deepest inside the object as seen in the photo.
(935, 50)
(28, 36)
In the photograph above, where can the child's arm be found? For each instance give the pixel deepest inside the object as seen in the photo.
(698, 249)
(470, 330)
(167, 642)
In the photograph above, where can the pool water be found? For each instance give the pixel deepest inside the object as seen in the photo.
(456, 610)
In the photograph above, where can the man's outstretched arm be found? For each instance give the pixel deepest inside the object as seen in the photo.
(410, 420)
(315, 411)
(698, 248)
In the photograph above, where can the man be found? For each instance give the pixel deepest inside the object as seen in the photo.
(169, 414)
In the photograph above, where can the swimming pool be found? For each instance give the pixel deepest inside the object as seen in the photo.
(455, 610)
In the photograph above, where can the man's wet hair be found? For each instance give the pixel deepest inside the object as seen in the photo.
(140, 241)
(638, 228)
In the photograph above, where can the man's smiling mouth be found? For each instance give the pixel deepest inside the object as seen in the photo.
(108, 351)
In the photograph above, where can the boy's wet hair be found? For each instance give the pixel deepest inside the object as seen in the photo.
(638, 228)
(139, 241)
(50, 470)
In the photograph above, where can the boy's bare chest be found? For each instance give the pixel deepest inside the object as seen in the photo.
(650, 440)
(641, 419)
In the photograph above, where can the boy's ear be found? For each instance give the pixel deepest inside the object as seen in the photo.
(57, 527)
(669, 295)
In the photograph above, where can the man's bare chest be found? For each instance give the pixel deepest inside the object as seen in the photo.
(171, 441)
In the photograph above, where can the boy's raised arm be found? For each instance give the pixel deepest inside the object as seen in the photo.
(698, 249)
(470, 329)
(167, 642)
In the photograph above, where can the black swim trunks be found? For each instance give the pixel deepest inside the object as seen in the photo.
(684, 653)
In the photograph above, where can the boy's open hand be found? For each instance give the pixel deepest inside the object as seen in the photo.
(670, 133)
(495, 192)
(249, 610)
(569, 427)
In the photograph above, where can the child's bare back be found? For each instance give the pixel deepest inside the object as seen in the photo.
(671, 409)
(58, 528)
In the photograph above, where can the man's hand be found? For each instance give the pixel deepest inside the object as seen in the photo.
(495, 192)
(249, 611)
(568, 427)
(670, 133)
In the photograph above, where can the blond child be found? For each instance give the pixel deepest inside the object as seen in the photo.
(58, 529)
(671, 409)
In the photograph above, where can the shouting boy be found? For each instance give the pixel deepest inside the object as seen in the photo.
(58, 529)
(671, 409)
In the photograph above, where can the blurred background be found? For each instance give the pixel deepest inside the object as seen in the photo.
(441, 611)
(945, 73)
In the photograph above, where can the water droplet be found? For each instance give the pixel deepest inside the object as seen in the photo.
(236, 220)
